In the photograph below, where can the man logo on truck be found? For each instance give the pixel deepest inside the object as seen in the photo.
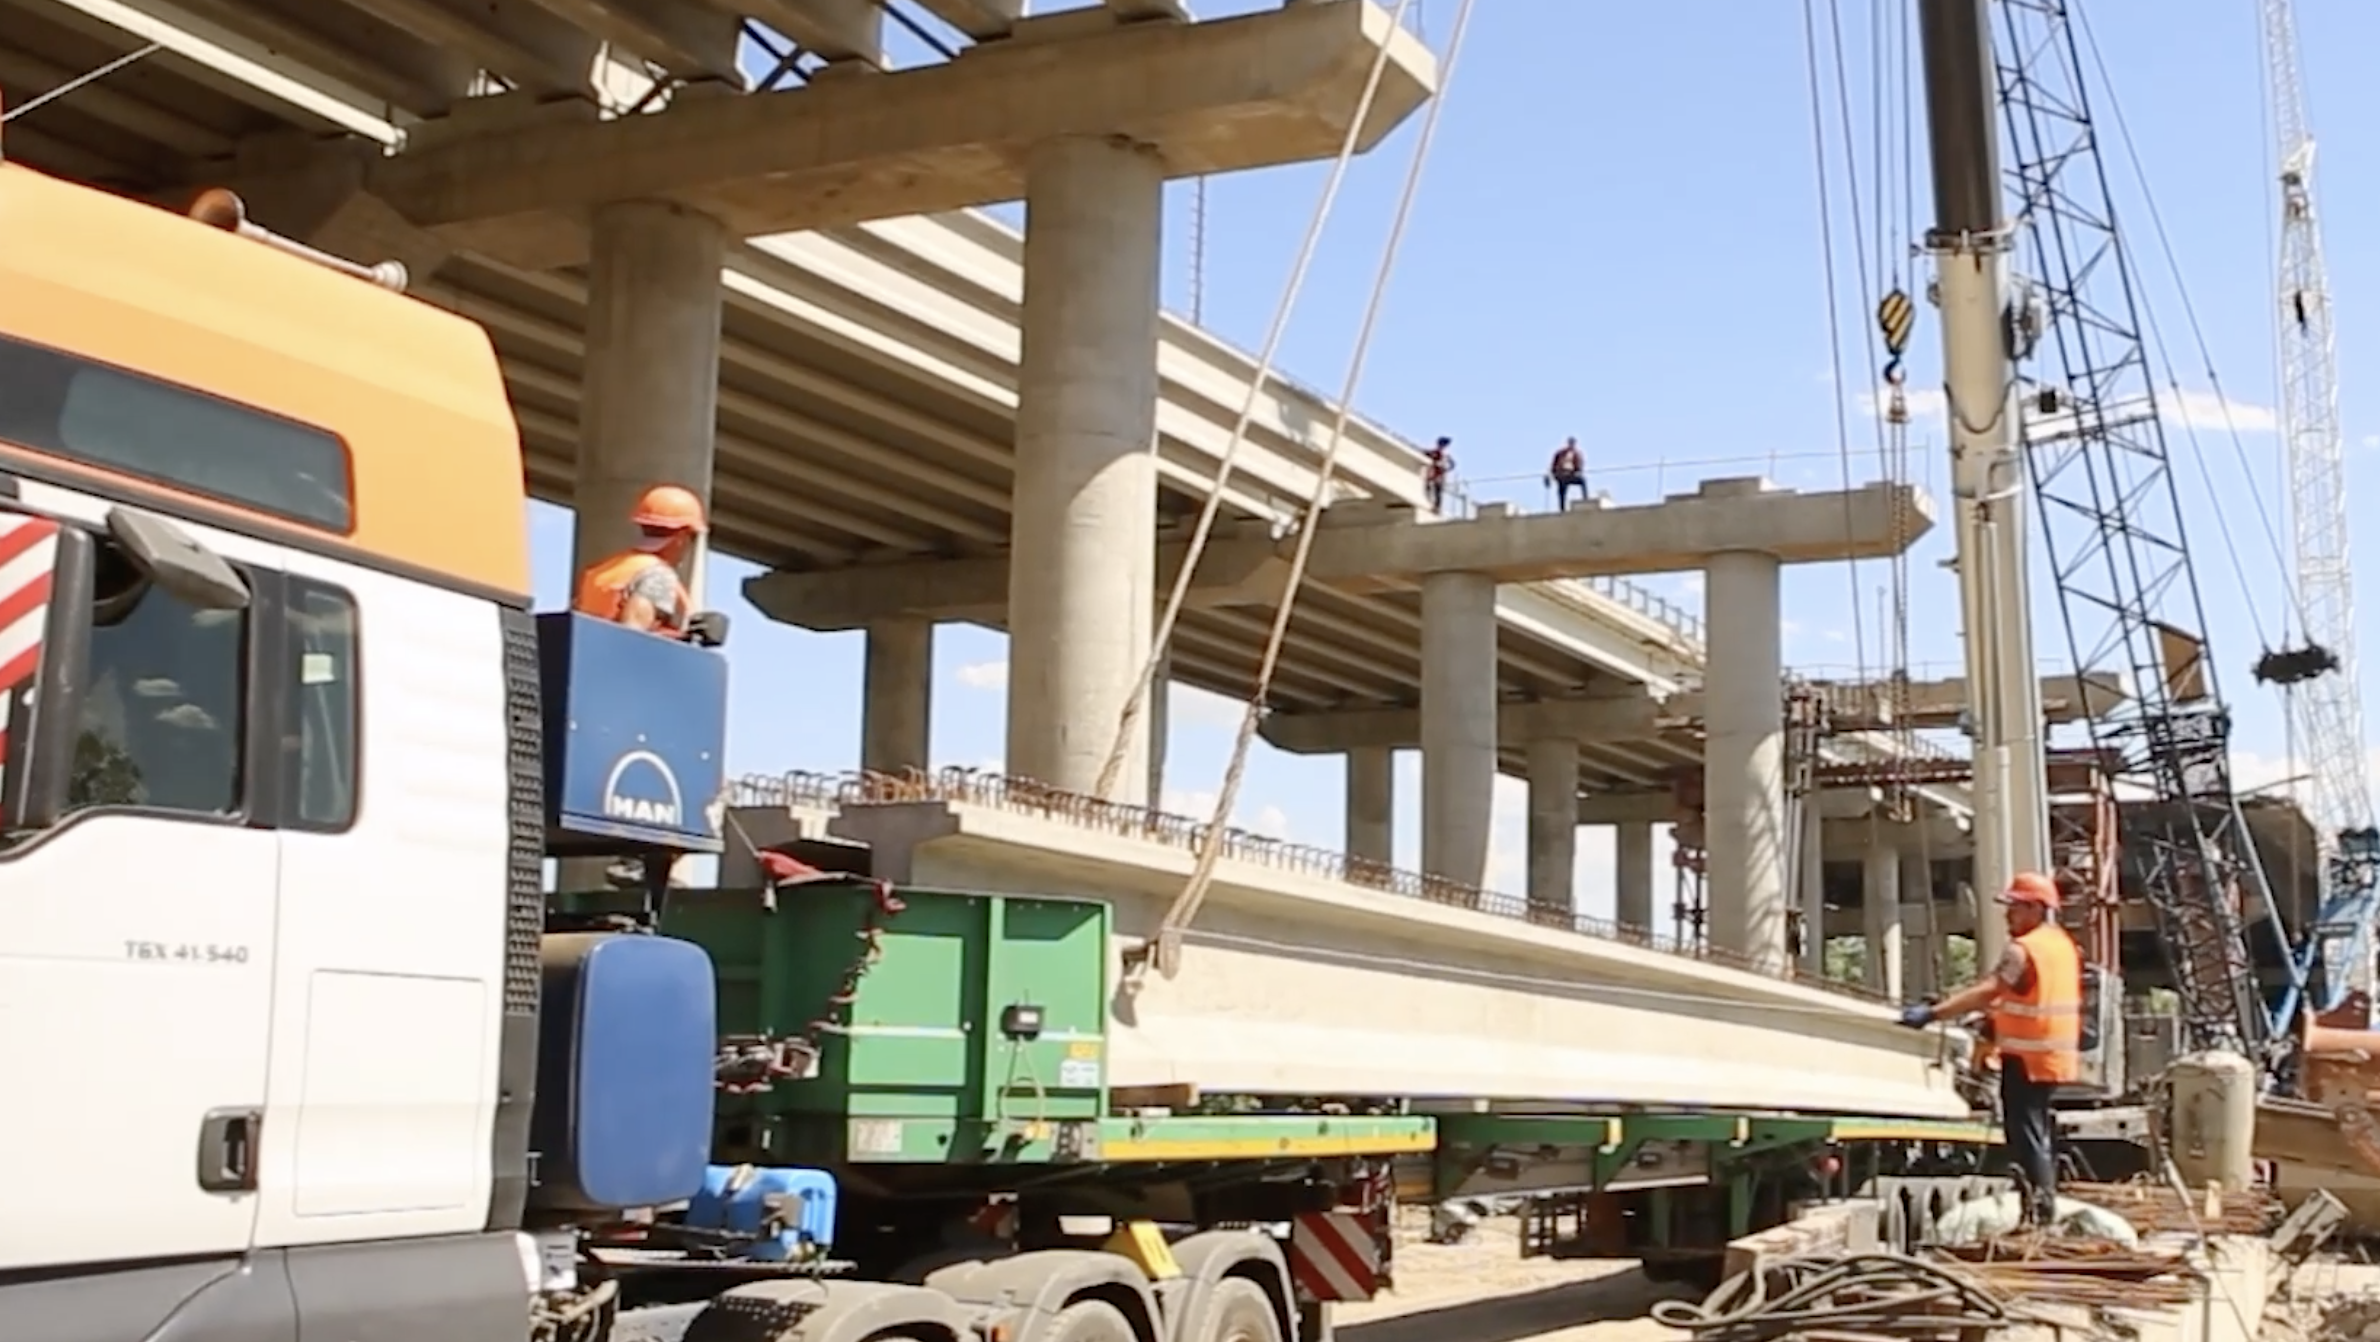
(651, 799)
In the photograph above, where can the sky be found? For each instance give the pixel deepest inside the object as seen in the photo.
(1618, 237)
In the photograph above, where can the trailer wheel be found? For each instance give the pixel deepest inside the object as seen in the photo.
(1242, 1313)
(1089, 1321)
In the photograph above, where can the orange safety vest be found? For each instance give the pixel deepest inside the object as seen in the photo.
(2042, 1026)
(603, 588)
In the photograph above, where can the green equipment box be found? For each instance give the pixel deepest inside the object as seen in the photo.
(906, 1025)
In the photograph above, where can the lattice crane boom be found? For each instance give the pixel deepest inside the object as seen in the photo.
(2330, 708)
(2325, 694)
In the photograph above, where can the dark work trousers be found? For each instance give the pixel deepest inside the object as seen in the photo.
(2032, 1129)
(1563, 484)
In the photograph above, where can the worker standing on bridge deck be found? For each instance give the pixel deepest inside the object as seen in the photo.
(640, 587)
(1436, 469)
(1568, 471)
(2034, 996)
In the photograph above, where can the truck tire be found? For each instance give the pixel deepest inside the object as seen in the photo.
(1242, 1313)
(1089, 1321)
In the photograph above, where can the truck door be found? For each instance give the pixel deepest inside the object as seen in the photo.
(137, 927)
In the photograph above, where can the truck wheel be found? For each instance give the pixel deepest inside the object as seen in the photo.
(1089, 1321)
(1243, 1313)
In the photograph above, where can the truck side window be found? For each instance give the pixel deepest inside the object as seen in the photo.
(322, 735)
(161, 721)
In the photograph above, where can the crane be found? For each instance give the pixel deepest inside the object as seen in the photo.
(2320, 675)
(2111, 522)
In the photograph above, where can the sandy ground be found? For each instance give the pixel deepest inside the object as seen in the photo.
(1484, 1292)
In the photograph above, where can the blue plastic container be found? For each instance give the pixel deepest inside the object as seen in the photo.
(736, 1198)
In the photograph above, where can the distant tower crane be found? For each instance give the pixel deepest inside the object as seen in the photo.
(2320, 675)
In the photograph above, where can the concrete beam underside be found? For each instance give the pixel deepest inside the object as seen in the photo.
(1297, 984)
(1266, 89)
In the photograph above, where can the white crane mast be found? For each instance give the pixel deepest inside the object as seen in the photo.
(2329, 706)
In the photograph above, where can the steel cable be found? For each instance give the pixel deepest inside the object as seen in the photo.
(1185, 906)
(1872, 1294)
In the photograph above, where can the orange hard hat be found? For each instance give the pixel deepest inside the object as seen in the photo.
(2031, 887)
(669, 508)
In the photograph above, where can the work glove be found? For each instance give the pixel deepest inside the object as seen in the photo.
(1918, 1015)
(707, 629)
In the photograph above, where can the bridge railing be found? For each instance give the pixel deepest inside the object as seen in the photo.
(993, 791)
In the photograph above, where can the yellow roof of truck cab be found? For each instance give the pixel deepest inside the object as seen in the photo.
(412, 391)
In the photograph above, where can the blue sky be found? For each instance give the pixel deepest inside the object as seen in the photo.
(1618, 238)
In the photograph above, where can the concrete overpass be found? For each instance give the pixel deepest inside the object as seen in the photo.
(865, 411)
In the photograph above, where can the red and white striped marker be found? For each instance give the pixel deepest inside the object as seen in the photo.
(28, 560)
(1335, 1256)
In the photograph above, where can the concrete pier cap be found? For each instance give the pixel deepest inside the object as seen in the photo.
(1275, 87)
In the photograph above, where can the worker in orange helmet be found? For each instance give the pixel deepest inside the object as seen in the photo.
(2035, 999)
(639, 586)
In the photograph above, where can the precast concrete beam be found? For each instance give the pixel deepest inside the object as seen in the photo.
(1620, 715)
(1365, 546)
(837, 30)
(1293, 983)
(688, 41)
(975, 590)
(1274, 87)
(980, 20)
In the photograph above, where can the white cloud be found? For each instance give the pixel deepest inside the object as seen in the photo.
(983, 675)
(2192, 408)
(2371, 441)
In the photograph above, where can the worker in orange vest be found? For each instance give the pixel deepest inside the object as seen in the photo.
(639, 586)
(2035, 999)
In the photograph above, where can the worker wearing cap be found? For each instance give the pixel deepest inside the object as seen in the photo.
(639, 587)
(2034, 997)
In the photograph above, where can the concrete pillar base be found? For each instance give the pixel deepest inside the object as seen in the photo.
(1458, 725)
(896, 720)
(1880, 899)
(1553, 827)
(1371, 805)
(1083, 541)
(1744, 759)
(1632, 854)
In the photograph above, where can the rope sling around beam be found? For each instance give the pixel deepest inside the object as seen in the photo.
(1168, 950)
(1136, 704)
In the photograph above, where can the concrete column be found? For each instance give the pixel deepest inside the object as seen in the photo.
(1744, 757)
(1810, 884)
(1880, 906)
(1923, 946)
(650, 412)
(1553, 824)
(1160, 714)
(1458, 724)
(1632, 853)
(896, 718)
(1372, 804)
(1083, 541)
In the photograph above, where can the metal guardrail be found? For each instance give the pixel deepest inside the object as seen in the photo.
(972, 787)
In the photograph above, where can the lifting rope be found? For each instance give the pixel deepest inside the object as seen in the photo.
(1136, 704)
(1168, 946)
